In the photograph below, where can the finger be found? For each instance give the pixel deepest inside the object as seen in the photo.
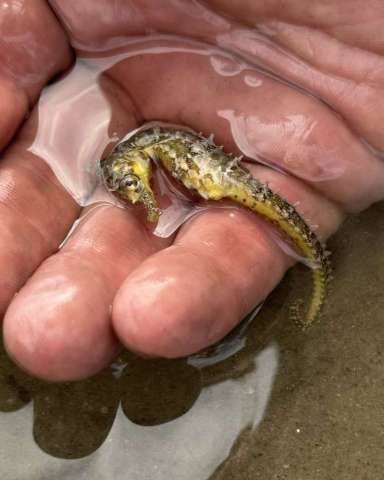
(347, 78)
(311, 143)
(36, 211)
(58, 326)
(221, 264)
(24, 71)
(13, 107)
(334, 53)
(35, 214)
(345, 19)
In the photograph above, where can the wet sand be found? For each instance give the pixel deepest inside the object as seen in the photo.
(325, 418)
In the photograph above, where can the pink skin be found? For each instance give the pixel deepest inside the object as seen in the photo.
(33, 48)
(168, 297)
(310, 45)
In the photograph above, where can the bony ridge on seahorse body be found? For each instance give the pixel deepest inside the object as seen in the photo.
(201, 166)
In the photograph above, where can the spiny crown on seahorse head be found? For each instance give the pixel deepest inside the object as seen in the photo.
(198, 164)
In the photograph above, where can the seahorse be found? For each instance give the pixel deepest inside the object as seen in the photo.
(201, 166)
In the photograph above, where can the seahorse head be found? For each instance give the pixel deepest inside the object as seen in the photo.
(128, 175)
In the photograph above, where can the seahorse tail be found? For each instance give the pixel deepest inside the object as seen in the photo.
(321, 277)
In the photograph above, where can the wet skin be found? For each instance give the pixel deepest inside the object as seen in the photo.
(221, 263)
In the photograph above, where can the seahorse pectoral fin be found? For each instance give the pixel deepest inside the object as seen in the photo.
(209, 189)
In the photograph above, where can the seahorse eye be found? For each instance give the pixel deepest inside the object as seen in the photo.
(131, 182)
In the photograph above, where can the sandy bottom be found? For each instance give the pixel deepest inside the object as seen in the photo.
(325, 418)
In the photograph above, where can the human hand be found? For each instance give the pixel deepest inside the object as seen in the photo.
(173, 297)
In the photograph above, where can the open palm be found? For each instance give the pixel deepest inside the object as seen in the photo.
(194, 64)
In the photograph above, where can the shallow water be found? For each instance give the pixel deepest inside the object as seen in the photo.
(289, 405)
(271, 401)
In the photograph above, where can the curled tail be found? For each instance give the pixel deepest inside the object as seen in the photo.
(321, 276)
(258, 197)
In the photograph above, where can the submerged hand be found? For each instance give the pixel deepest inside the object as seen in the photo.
(172, 297)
